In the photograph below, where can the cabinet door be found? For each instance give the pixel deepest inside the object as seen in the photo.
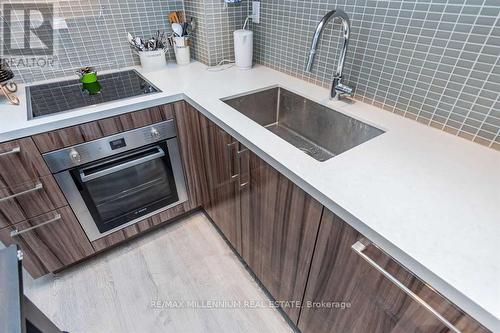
(49, 242)
(189, 131)
(346, 294)
(220, 151)
(279, 227)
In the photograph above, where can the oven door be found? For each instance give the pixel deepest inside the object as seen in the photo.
(125, 188)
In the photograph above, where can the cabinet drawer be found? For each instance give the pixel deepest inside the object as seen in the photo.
(425, 309)
(30, 199)
(73, 135)
(20, 162)
(49, 241)
(372, 291)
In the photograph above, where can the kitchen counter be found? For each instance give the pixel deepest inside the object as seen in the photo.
(429, 199)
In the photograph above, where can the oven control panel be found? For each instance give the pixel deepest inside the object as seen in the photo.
(83, 153)
(117, 144)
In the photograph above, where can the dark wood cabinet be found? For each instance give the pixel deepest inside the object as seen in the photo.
(210, 162)
(189, 132)
(20, 162)
(267, 219)
(220, 151)
(34, 208)
(27, 200)
(279, 227)
(300, 251)
(346, 294)
(49, 241)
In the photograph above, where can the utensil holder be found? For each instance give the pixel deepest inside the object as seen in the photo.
(153, 60)
(181, 41)
(182, 55)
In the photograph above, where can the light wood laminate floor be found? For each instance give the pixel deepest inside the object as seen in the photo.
(186, 261)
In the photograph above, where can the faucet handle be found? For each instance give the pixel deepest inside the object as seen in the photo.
(342, 89)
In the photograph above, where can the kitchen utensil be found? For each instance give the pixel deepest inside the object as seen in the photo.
(162, 41)
(135, 46)
(170, 40)
(156, 42)
(138, 41)
(184, 28)
(192, 25)
(180, 16)
(151, 45)
(177, 29)
(173, 18)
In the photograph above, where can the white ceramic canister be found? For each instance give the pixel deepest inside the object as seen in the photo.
(153, 60)
(182, 55)
(243, 48)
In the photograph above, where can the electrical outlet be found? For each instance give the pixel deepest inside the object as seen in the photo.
(256, 11)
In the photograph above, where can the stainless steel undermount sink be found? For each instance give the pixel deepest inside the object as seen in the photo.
(315, 129)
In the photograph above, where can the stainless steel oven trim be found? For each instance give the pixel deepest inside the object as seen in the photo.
(60, 160)
(87, 177)
(80, 209)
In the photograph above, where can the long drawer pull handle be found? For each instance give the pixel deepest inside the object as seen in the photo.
(359, 247)
(16, 232)
(37, 187)
(15, 150)
(239, 152)
(230, 146)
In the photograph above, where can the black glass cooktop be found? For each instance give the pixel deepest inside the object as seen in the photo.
(51, 98)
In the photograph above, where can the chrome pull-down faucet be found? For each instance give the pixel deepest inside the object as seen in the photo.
(338, 89)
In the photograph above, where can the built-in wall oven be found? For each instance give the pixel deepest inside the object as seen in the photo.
(116, 181)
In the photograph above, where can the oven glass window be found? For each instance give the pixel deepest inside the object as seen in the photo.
(125, 189)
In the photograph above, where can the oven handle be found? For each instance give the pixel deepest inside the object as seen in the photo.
(116, 168)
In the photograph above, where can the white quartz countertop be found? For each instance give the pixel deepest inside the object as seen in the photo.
(429, 199)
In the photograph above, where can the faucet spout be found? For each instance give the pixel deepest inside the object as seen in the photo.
(346, 31)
